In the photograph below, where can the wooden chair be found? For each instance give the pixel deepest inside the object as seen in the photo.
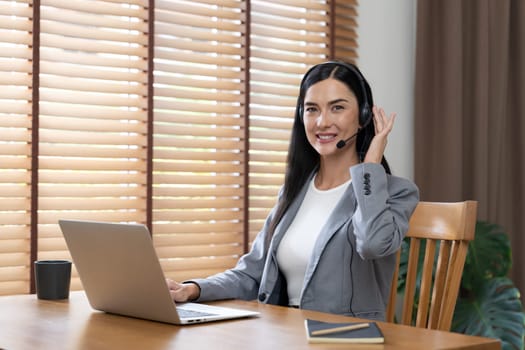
(453, 226)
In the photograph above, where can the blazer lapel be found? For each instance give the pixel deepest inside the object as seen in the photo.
(289, 216)
(341, 214)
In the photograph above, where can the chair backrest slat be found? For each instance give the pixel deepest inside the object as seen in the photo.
(426, 283)
(391, 306)
(453, 283)
(410, 283)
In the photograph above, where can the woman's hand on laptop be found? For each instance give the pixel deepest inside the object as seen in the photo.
(183, 292)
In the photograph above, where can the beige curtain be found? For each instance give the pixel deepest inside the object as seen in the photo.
(470, 110)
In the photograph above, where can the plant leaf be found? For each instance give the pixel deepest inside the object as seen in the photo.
(494, 311)
(489, 256)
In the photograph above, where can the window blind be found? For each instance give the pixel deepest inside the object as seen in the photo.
(287, 37)
(345, 25)
(198, 196)
(195, 147)
(15, 148)
(92, 142)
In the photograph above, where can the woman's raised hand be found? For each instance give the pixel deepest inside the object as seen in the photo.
(383, 125)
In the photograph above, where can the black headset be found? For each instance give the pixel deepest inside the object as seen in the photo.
(365, 113)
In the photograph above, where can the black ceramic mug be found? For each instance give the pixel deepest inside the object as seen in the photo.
(52, 278)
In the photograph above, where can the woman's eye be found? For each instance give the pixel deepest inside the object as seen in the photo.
(338, 107)
(310, 109)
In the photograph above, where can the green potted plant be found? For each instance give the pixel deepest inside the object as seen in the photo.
(488, 302)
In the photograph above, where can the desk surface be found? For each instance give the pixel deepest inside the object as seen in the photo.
(29, 323)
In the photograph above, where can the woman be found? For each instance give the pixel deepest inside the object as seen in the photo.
(329, 244)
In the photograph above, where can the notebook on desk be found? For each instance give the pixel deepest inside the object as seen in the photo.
(121, 274)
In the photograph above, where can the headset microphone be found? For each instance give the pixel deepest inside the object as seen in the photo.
(343, 143)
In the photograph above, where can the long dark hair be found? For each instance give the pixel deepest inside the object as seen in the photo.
(302, 157)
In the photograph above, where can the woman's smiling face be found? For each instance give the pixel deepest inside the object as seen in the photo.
(331, 114)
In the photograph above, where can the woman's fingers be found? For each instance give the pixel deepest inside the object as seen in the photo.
(383, 123)
(176, 290)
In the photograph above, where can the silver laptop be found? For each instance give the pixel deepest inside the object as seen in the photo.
(121, 274)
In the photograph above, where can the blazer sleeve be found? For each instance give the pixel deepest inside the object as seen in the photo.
(384, 206)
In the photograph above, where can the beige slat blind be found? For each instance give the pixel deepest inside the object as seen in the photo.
(287, 37)
(15, 148)
(345, 30)
(93, 120)
(198, 136)
(93, 87)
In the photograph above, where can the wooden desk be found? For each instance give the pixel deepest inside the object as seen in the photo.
(29, 323)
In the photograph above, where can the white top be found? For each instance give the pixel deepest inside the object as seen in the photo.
(298, 242)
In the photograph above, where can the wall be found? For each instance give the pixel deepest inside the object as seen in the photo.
(386, 39)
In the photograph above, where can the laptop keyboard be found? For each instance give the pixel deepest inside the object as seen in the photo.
(184, 313)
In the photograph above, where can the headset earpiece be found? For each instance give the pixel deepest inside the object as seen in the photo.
(365, 116)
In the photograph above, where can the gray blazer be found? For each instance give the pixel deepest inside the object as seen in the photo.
(352, 264)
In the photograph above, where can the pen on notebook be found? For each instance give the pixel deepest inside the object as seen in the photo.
(340, 329)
